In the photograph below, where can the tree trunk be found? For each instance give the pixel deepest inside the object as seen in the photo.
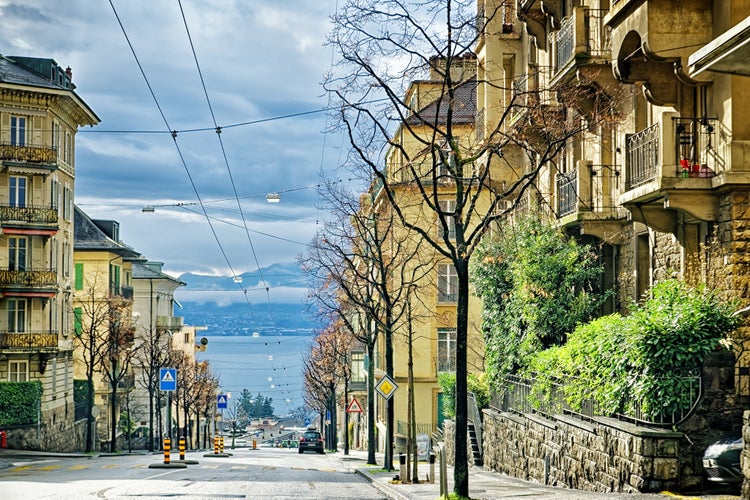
(371, 439)
(113, 416)
(461, 464)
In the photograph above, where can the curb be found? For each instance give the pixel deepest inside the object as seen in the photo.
(382, 487)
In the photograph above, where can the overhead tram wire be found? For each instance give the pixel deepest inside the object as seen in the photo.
(174, 133)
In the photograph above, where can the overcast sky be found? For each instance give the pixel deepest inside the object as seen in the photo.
(260, 60)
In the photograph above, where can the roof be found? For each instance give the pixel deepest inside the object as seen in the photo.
(15, 73)
(145, 270)
(464, 107)
(88, 237)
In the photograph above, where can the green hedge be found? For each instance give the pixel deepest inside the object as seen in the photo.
(19, 402)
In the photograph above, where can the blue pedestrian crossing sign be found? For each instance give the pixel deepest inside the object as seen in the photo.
(221, 402)
(167, 379)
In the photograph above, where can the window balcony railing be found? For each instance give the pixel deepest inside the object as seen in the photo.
(32, 278)
(28, 153)
(701, 147)
(169, 322)
(567, 193)
(29, 214)
(124, 292)
(593, 39)
(28, 340)
(642, 156)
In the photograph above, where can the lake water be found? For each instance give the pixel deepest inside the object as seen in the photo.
(269, 365)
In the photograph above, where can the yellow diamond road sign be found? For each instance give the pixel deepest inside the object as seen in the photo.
(386, 387)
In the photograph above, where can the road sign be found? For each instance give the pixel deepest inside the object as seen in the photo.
(354, 406)
(386, 387)
(307, 421)
(221, 401)
(167, 379)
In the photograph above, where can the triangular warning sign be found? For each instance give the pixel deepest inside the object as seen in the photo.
(354, 406)
(222, 399)
(167, 376)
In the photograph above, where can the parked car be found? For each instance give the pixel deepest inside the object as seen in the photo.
(722, 461)
(311, 440)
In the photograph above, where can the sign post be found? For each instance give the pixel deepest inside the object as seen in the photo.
(168, 383)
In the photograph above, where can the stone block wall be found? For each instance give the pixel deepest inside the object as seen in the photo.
(49, 438)
(603, 455)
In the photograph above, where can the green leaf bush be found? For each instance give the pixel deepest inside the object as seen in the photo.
(19, 402)
(619, 360)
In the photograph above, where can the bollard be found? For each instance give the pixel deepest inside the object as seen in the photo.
(432, 467)
(221, 444)
(255, 444)
(167, 448)
(181, 445)
(216, 445)
(402, 467)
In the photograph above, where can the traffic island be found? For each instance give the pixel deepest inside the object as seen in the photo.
(168, 464)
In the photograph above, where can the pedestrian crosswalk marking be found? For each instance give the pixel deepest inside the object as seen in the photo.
(167, 376)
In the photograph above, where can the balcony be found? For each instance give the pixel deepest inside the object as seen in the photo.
(585, 199)
(29, 216)
(41, 155)
(28, 278)
(123, 292)
(28, 341)
(169, 322)
(677, 165)
(582, 48)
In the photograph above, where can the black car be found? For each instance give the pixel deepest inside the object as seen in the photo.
(311, 440)
(722, 461)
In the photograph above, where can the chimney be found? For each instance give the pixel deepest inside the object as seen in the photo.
(69, 72)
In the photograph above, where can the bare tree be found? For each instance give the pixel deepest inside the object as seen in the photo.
(406, 81)
(154, 353)
(362, 266)
(117, 355)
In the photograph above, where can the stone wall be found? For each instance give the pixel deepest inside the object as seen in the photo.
(57, 438)
(608, 455)
(603, 455)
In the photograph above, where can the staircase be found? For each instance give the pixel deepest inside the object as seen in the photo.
(476, 449)
(474, 426)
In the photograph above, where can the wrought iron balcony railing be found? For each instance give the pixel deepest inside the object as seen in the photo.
(593, 40)
(28, 153)
(29, 214)
(567, 194)
(28, 341)
(701, 147)
(642, 156)
(32, 278)
(169, 322)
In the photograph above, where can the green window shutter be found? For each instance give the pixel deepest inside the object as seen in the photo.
(78, 320)
(79, 276)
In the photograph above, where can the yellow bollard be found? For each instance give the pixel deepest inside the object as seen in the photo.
(254, 444)
(216, 445)
(167, 448)
(181, 444)
(221, 444)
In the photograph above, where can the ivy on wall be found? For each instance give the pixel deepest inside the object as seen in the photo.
(19, 402)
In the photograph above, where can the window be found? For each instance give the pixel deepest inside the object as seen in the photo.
(17, 192)
(17, 315)
(17, 250)
(68, 155)
(448, 209)
(79, 276)
(446, 358)
(187, 337)
(56, 139)
(78, 321)
(358, 367)
(447, 283)
(114, 279)
(18, 371)
(18, 130)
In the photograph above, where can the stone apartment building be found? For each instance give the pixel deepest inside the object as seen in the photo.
(40, 113)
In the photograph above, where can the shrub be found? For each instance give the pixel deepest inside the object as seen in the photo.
(19, 402)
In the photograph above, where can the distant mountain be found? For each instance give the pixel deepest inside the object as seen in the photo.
(276, 275)
(211, 301)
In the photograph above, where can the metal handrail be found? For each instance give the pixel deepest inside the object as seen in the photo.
(475, 418)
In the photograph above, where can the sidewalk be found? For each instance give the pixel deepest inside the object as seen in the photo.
(483, 484)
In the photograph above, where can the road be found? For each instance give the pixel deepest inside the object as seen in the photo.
(272, 473)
